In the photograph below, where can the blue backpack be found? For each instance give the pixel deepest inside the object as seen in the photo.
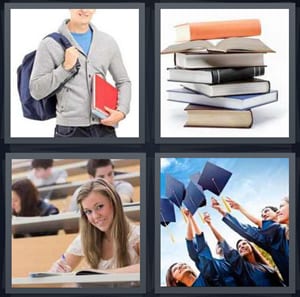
(45, 108)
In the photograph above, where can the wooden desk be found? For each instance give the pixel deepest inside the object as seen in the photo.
(68, 221)
(72, 166)
(112, 280)
(67, 189)
(63, 203)
(21, 165)
(37, 253)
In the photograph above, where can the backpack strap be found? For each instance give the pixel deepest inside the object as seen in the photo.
(61, 39)
(64, 42)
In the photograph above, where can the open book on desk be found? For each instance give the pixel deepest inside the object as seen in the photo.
(87, 271)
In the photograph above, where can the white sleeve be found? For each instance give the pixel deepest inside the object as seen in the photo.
(61, 176)
(134, 236)
(73, 206)
(75, 248)
(124, 189)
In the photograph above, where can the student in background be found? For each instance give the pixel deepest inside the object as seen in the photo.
(104, 168)
(26, 203)
(107, 239)
(270, 234)
(246, 261)
(283, 213)
(43, 173)
(227, 276)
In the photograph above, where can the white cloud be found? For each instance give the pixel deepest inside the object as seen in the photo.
(166, 162)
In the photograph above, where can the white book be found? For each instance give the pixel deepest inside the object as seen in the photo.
(253, 86)
(194, 61)
(240, 102)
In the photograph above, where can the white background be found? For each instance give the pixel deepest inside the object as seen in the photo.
(30, 26)
(270, 120)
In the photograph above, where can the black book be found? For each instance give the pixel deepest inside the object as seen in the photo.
(216, 75)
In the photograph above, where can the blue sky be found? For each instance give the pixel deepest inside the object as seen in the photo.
(255, 183)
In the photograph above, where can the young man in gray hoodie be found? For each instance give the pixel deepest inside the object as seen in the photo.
(97, 52)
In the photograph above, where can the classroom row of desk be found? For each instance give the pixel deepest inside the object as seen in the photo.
(74, 167)
(31, 254)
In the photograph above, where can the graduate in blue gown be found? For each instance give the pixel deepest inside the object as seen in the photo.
(182, 275)
(227, 275)
(246, 261)
(200, 253)
(270, 235)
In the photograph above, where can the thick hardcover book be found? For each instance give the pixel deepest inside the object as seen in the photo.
(214, 76)
(104, 94)
(251, 86)
(205, 116)
(240, 102)
(217, 29)
(194, 61)
(230, 45)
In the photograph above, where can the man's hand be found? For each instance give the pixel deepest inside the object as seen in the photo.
(115, 116)
(71, 56)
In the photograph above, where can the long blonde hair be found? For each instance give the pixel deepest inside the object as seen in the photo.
(91, 237)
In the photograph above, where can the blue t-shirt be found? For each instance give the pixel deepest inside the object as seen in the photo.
(84, 39)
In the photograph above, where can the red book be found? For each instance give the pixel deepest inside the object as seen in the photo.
(104, 94)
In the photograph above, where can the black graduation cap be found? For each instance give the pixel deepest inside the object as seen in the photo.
(175, 190)
(214, 178)
(194, 197)
(167, 212)
(195, 177)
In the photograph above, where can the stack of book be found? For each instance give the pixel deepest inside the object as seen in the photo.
(219, 81)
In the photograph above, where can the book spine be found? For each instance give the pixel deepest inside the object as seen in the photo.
(225, 29)
(232, 74)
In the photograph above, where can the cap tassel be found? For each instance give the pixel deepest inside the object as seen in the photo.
(169, 231)
(227, 206)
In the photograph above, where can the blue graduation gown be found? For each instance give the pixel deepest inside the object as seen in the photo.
(200, 253)
(199, 282)
(271, 237)
(228, 277)
(258, 275)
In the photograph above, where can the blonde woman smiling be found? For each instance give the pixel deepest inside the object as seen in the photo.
(107, 239)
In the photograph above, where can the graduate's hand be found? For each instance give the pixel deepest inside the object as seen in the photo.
(115, 116)
(207, 218)
(232, 203)
(215, 204)
(71, 56)
(187, 212)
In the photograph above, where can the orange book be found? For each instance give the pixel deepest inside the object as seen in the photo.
(104, 94)
(217, 29)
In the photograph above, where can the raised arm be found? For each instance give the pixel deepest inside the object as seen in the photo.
(216, 233)
(191, 248)
(216, 205)
(233, 204)
(195, 226)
